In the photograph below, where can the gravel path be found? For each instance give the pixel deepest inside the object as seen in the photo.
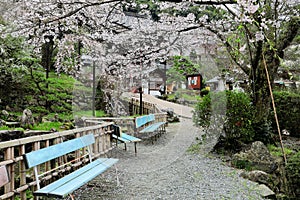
(166, 170)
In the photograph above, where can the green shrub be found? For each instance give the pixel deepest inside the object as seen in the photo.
(239, 117)
(288, 111)
(233, 109)
(202, 114)
(277, 152)
(47, 126)
(293, 174)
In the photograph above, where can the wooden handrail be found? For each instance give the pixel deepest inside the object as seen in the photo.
(11, 155)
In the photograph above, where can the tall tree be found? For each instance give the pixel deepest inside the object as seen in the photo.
(255, 33)
(122, 36)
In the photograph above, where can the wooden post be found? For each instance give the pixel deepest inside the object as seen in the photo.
(8, 156)
(141, 100)
(22, 172)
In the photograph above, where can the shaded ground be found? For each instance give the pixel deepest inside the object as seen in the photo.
(166, 170)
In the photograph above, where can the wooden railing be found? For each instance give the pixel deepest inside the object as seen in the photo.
(21, 179)
(127, 124)
(147, 107)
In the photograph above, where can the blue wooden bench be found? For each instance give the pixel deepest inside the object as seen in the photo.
(69, 183)
(147, 127)
(119, 136)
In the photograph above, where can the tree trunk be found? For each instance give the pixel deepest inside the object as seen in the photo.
(47, 53)
(261, 93)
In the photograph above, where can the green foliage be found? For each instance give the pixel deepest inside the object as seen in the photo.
(188, 95)
(150, 6)
(29, 195)
(14, 60)
(50, 95)
(4, 128)
(293, 174)
(98, 113)
(202, 112)
(47, 126)
(243, 164)
(61, 117)
(23, 82)
(194, 148)
(288, 111)
(211, 12)
(182, 66)
(276, 151)
(238, 117)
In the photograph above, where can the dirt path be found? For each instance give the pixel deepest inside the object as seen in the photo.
(180, 110)
(166, 170)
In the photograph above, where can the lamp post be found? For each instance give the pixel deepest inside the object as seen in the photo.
(140, 90)
(87, 61)
(162, 65)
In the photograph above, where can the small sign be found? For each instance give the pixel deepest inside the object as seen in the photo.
(4, 177)
(194, 81)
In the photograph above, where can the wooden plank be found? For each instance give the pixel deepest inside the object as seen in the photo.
(131, 138)
(9, 154)
(22, 172)
(73, 181)
(121, 139)
(32, 139)
(40, 156)
(85, 177)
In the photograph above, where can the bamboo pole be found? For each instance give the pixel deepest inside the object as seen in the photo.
(274, 109)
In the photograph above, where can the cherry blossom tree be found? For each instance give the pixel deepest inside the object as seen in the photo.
(255, 33)
(126, 37)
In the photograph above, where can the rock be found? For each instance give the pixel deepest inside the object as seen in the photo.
(257, 157)
(256, 176)
(12, 124)
(29, 133)
(7, 135)
(27, 118)
(55, 118)
(53, 130)
(2, 122)
(45, 119)
(5, 113)
(266, 192)
(171, 116)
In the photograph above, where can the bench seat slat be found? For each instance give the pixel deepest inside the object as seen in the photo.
(130, 138)
(78, 178)
(152, 127)
(67, 178)
(121, 138)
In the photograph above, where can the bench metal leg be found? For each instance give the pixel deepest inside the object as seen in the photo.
(135, 148)
(125, 146)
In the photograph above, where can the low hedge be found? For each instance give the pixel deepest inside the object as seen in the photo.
(288, 111)
(237, 122)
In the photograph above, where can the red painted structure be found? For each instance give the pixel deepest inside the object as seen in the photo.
(194, 81)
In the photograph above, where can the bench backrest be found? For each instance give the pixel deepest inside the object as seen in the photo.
(116, 130)
(142, 120)
(40, 156)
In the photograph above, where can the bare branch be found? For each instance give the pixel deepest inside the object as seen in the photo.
(208, 2)
(77, 10)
